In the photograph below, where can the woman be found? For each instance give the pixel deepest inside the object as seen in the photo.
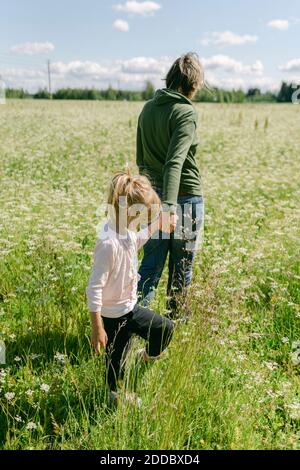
(166, 147)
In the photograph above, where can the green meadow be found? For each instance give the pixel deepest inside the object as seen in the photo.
(230, 379)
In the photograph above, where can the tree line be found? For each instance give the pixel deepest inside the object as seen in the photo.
(208, 95)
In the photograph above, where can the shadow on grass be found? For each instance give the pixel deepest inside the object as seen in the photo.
(77, 397)
(41, 347)
(76, 392)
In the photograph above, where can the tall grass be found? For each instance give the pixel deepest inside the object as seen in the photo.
(230, 379)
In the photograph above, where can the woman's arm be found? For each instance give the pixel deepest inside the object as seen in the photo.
(139, 149)
(181, 141)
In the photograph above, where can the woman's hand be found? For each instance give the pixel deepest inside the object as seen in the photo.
(99, 337)
(167, 222)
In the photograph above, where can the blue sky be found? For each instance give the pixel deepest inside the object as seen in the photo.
(124, 43)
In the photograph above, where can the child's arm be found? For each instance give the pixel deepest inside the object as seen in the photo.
(103, 264)
(99, 336)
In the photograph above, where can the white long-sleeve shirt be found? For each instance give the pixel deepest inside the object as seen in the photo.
(112, 287)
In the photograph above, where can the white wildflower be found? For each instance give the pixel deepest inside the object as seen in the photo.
(294, 410)
(31, 425)
(60, 358)
(270, 365)
(295, 357)
(45, 388)
(10, 396)
(296, 345)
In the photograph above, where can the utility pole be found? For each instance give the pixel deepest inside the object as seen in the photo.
(49, 79)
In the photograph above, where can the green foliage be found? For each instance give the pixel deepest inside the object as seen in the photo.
(17, 93)
(42, 95)
(110, 94)
(254, 95)
(149, 91)
(206, 95)
(77, 94)
(285, 93)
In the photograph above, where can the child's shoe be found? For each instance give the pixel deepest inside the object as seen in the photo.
(142, 355)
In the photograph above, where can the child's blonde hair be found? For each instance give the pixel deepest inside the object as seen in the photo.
(135, 194)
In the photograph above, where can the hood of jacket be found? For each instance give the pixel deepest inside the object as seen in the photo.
(167, 95)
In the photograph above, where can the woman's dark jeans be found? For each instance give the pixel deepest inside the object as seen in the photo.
(181, 247)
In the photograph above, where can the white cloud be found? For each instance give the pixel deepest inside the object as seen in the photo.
(291, 66)
(31, 48)
(228, 64)
(220, 70)
(146, 65)
(121, 25)
(138, 8)
(228, 38)
(279, 24)
(230, 83)
(29, 79)
(81, 69)
(131, 73)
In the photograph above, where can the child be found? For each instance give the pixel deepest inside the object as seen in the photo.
(112, 288)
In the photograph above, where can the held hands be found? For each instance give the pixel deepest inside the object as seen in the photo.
(167, 222)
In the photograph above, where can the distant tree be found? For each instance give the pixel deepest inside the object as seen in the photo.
(206, 95)
(285, 93)
(268, 97)
(42, 94)
(111, 93)
(148, 92)
(237, 96)
(135, 96)
(17, 93)
(253, 92)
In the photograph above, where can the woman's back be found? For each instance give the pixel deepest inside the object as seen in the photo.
(166, 144)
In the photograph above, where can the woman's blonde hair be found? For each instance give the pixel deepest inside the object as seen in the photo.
(134, 194)
(186, 74)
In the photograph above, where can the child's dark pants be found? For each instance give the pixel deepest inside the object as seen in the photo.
(154, 328)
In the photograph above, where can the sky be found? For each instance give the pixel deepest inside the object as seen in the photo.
(97, 43)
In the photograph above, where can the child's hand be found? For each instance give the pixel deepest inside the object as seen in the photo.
(167, 222)
(99, 339)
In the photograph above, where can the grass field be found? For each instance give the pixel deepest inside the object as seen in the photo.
(231, 377)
